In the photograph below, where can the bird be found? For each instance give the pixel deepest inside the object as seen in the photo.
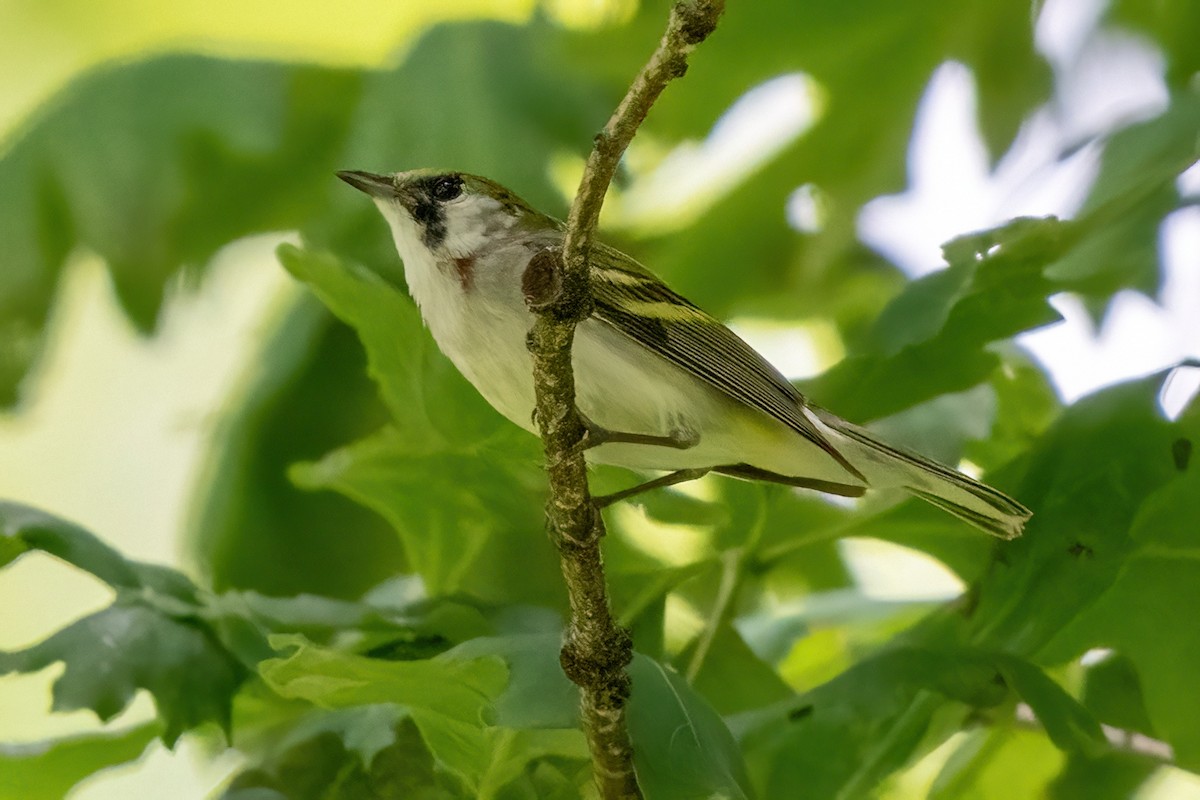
(660, 384)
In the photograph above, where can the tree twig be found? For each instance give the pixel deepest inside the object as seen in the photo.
(735, 563)
(596, 651)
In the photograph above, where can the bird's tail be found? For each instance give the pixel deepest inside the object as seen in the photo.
(886, 465)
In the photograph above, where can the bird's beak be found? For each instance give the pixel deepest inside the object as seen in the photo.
(369, 183)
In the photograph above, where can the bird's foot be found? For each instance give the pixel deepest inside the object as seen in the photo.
(670, 479)
(594, 435)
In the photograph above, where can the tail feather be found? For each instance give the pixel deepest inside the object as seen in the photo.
(966, 498)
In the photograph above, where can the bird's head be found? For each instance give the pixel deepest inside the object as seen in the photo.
(449, 215)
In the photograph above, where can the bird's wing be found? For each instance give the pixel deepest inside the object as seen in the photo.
(635, 302)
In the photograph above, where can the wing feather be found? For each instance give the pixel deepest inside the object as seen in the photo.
(635, 302)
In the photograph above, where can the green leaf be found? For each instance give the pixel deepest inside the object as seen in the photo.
(457, 512)
(449, 698)
(1086, 480)
(1026, 405)
(157, 165)
(149, 638)
(326, 765)
(364, 730)
(843, 737)
(513, 751)
(48, 770)
(1168, 22)
(993, 289)
(857, 149)
(999, 763)
(431, 404)
(930, 530)
(681, 747)
(1112, 691)
(251, 528)
(128, 646)
(1134, 191)
(538, 694)
(733, 678)
(25, 528)
(1154, 593)
(1068, 723)
(455, 688)
(1117, 776)
(458, 483)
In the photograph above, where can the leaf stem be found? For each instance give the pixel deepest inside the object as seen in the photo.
(735, 563)
(596, 650)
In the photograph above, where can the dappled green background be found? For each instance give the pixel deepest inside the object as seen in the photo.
(351, 452)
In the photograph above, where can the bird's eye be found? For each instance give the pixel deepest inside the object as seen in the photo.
(446, 189)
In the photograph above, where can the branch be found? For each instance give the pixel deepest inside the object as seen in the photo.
(596, 651)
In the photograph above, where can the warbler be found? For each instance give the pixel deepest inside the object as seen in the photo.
(661, 384)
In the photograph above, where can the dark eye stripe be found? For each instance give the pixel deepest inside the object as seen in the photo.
(433, 222)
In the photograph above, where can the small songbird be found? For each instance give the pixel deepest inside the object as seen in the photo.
(661, 384)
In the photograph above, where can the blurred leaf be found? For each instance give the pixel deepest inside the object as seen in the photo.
(930, 530)
(681, 747)
(775, 631)
(855, 151)
(1135, 189)
(26, 528)
(364, 730)
(1169, 23)
(733, 678)
(301, 613)
(997, 764)
(1116, 776)
(1026, 404)
(941, 428)
(1112, 691)
(640, 583)
(508, 87)
(456, 512)
(1068, 723)
(48, 770)
(251, 527)
(157, 165)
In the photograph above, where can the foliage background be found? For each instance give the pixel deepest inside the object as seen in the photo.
(130, 184)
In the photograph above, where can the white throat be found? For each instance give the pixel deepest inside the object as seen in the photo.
(468, 292)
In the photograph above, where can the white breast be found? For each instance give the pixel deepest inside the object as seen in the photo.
(621, 386)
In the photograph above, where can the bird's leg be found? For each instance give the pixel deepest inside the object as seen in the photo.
(594, 436)
(670, 479)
